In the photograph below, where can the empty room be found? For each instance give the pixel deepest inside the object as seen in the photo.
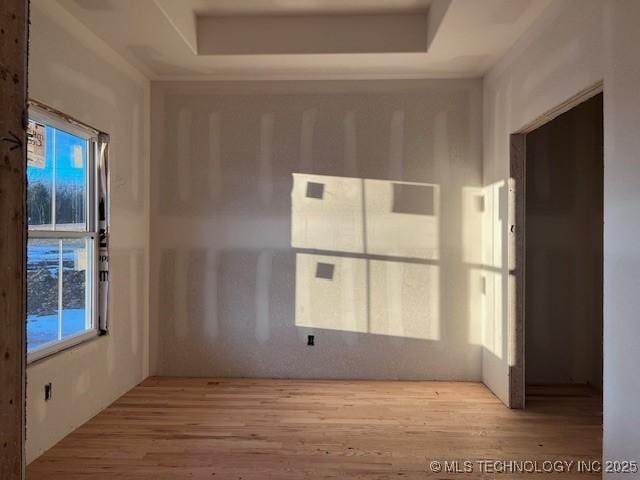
(310, 239)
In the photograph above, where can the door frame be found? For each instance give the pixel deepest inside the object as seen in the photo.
(517, 239)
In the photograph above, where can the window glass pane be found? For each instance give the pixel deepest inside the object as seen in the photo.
(42, 291)
(59, 270)
(40, 176)
(51, 316)
(75, 253)
(71, 180)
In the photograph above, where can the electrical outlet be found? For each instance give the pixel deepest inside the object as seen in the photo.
(310, 340)
(48, 392)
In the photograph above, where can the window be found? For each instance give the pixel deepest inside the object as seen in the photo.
(61, 248)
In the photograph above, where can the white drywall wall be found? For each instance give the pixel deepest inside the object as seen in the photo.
(558, 57)
(576, 44)
(74, 72)
(621, 233)
(239, 239)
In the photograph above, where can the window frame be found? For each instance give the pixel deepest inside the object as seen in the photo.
(45, 117)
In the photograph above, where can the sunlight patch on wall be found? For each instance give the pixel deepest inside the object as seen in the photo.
(367, 252)
(338, 303)
(491, 268)
(401, 219)
(327, 213)
(383, 298)
(474, 216)
(492, 331)
(477, 305)
(355, 215)
(404, 300)
(493, 222)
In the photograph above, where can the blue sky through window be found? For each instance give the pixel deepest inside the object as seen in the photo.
(67, 170)
(67, 154)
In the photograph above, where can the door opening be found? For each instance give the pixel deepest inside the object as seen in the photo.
(559, 173)
(563, 274)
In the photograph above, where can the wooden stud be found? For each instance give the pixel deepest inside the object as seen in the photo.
(13, 96)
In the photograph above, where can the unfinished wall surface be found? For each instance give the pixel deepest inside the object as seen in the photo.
(621, 232)
(74, 72)
(564, 180)
(344, 210)
(575, 45)
(558, 57)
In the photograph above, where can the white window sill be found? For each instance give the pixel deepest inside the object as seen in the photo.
(48, 350)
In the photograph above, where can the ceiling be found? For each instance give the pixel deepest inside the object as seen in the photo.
(307, 39)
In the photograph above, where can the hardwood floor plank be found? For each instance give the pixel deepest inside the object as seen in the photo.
(174, 428)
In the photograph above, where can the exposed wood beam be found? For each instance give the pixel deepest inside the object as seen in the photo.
(13, 95)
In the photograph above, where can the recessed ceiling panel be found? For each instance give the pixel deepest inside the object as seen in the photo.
(464, 38)
(306, 7)
(311, 34)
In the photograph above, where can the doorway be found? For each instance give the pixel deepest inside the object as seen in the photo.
(558, 174)
(563, 275)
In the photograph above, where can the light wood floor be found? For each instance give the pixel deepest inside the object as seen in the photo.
(168, 428)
